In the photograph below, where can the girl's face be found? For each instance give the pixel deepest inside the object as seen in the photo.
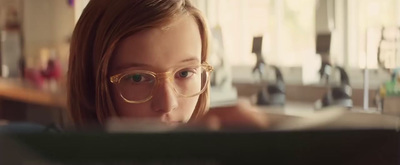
(159, 50)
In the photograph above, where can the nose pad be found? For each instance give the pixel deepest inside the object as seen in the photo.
(167, 77)
(164, 97)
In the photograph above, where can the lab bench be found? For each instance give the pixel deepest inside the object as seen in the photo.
(23, 101)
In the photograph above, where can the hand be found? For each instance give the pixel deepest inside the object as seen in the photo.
(242, 116)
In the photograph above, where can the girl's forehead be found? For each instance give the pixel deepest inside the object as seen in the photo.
(160, 48)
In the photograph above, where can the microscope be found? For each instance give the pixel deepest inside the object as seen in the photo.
(338, 94)
(274, 92)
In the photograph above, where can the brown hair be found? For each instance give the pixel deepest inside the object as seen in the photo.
(101, 27)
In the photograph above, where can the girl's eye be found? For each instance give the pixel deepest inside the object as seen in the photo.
(185, 74)
(138, 78)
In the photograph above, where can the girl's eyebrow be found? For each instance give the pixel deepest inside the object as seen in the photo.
(132, 65)
(136, 65)
(192, 59)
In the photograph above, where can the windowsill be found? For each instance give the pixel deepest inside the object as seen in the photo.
(293, 76)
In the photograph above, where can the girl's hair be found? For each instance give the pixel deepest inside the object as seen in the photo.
(101, 27)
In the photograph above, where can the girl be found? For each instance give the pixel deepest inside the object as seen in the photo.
(146, 59)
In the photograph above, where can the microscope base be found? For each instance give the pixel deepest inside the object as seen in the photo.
(348, 103)
(271, 99)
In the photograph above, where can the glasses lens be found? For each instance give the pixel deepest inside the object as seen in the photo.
(190, 81)
(136, 86)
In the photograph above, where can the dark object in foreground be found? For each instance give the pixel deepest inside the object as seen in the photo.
(278, 147)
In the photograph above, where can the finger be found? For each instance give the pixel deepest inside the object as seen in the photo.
(213, 123)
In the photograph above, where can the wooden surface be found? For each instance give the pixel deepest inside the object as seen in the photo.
(302, 116)
(19, 90)
(391, 105)
(303, 109)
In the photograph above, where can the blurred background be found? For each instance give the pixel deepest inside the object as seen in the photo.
(286, 56)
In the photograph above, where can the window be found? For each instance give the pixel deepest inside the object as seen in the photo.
(370, 17)
(287, 27)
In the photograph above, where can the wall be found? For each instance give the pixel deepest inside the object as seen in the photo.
(47, 23)
(79, 6)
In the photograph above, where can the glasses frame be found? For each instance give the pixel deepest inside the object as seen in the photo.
(169, 75)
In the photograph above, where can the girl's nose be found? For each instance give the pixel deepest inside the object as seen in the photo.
(164, 98)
